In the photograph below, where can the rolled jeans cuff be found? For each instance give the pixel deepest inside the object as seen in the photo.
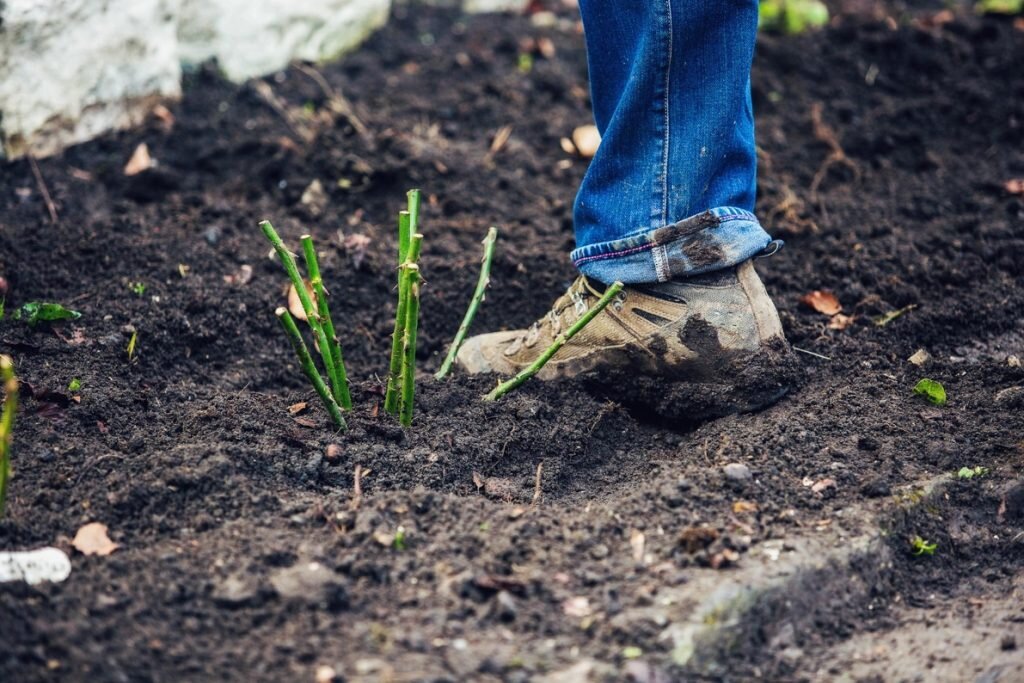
(718, 238)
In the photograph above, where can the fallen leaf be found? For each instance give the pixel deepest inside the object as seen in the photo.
(724, 558)
(164, 116)
(577, 606)
(1014, 186)
(744, 506)
(297, 408)
(587, 140)
(92, 539)
(295, 305)
(493, 583)
(920, 357)
(140, 161)
(822, 301)
(932, 390)
(355, 246)
(240, 278)
(305, 422)
(886, 318)
(478, 479)
(696, 538)
(637, 542)
(500, 139)
(823, 485)
(840, 322)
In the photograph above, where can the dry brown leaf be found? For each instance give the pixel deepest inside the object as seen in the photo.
(297, 408)
(637, 542)
(305, 422)
(500, 139)
(295, 305)
(840, 322)
(920, 357)
(356, 245)
(696, 538)
(823, 485)
(1014, 186)
(577, 606)
(478, 479)
(724, 559)
(744, 506)
(140, 161)
(92, 539)
(164, 115)
(822, 301)
(587, 140)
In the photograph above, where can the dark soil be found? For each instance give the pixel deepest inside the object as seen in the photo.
(220, 499)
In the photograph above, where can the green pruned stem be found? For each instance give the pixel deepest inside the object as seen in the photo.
(411, 273)
(395, 365)
(10, 407)
(413, 197)
(474, 304)
(306, 362)
(392, 395)
(312, 316)
(336, 371)
(560, 341)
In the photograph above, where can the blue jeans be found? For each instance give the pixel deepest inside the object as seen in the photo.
(670, 192)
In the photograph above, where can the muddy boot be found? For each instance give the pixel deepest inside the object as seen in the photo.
(688, 350)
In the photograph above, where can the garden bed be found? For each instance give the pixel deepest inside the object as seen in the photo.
(221, 499)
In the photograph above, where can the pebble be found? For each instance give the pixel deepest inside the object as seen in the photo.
(235, 591)
(738, 472)
(212, 234)
(310, 582)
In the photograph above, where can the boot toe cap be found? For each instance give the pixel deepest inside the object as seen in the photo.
(484, 353)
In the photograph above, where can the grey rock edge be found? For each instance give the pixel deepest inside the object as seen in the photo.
(781, 590)
(73, 69)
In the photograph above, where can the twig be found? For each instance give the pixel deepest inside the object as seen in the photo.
(525, 374)
(536, 484)
(43, 190)
(811, 353)
(339, 104)
(306, 363)
(337, 373)
(824, 133)
(312, 316)
(474, 304)
(357, 488)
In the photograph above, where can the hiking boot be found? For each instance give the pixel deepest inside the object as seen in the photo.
(690, 349)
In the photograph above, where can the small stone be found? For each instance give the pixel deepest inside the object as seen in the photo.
(325, 674)
(920, 357)
(1010, 397)
(310, 582)
(876, 487)
(212, 234)
(599, 551)
(1013, 361)
(314, 198)
(505, 607)
(333, 453)
(235, 591)
(737, 472)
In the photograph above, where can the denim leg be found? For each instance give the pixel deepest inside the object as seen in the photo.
(671, 189)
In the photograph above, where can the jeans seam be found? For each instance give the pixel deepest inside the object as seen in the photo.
(668, 121)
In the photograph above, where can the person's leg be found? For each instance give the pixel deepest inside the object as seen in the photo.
(670, 191)
(666, 208)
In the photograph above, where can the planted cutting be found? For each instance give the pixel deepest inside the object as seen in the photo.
(474, 304)
(319, 322)
(10, 407)
(399, 395)
(526, 373)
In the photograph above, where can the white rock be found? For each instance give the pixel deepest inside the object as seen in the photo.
(35, 566)
(254, 37)
(72, 69)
